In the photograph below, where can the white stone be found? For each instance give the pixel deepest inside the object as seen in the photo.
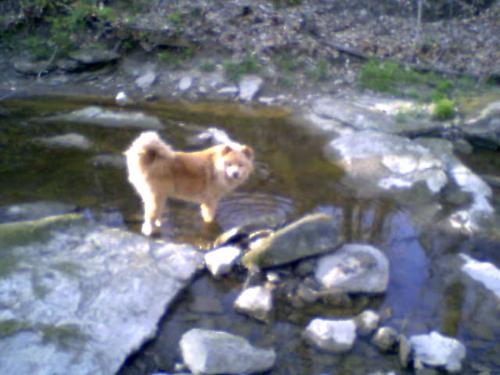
(220, 261)
(437, 350)
(146, 80)
(228, 91)
(486, 273)
(122, 98)
(249, 87)
(256, 301)
(331, 335)
(185, 83)
(216, 352)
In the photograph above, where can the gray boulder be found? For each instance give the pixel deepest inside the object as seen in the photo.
(312, 235)
(347, 115)
(331, 335)
(217, 352)
(354, 268)
(78, 297)
(387, 162)
(436, 350)
(484, 129)
(93, 56)
(108, 118)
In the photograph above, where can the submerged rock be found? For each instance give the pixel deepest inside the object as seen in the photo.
(354, 268)
(367, 322)
(109, 118)
(436, 350)
(81, 296)
(217, 352)
(255, 301)
(109, 161)
(312, 235)
(70, 140)
(34, 210)
(220, 261)
(331, 335)
(386, 339)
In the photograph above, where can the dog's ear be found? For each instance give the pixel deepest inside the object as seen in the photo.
(248, 152)
(226, 150)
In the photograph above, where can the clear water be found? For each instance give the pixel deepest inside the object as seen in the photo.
(291, 179)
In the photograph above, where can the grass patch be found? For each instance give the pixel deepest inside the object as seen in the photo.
(234, 70)
(443, 109)
(175, 57)
(207, 67)
(396, 79)
(319, 72)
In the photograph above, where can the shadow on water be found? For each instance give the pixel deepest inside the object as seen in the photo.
(291, 178)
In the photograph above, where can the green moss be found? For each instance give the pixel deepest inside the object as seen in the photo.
(11, 326)
(18, 233)
(444, 109)
(234, 70)
(207, 67)
(319, 72)
(175, 57)
(65, 335)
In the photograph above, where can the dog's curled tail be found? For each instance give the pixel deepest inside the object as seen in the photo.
(149, 147)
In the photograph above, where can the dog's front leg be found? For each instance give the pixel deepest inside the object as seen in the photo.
(208, 209)
(153, 209)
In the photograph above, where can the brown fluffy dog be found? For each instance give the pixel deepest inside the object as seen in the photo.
(158, 172)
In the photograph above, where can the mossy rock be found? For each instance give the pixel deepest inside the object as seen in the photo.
(22, 232)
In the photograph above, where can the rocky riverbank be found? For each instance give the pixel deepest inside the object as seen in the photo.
(326, 284)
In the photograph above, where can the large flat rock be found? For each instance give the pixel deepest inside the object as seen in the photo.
(78, 298)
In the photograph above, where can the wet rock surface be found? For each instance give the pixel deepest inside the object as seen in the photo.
(80, 295)
(216, 352)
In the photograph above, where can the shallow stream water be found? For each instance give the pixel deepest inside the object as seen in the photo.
(292, 178)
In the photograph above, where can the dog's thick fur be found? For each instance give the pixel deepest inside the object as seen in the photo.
(158, 172)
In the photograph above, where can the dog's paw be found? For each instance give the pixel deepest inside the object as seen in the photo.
(147, 229)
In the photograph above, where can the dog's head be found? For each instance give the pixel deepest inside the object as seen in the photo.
(235, 161)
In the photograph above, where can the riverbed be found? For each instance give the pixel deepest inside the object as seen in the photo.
(427, 291)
